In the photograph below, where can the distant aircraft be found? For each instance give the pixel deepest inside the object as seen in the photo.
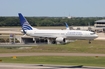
(59, 36)
(67, 27)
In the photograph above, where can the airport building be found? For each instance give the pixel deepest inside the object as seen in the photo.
(99, 25)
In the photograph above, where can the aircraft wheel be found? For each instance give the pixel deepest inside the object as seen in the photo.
(89, 42)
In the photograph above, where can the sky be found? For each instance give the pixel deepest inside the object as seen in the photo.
(53, 8)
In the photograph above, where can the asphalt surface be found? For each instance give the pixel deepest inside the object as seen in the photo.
(40, 66)
(48, 54)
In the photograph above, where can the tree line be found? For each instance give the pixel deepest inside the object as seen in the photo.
(50, 21)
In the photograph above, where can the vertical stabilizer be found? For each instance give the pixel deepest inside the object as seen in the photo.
(67, 27)
(24, 23)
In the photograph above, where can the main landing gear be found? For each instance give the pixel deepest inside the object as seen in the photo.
(89, 41)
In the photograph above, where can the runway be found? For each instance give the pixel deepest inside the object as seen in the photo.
(48, 54)
(40, 66)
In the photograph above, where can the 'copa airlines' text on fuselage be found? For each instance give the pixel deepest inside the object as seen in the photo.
(74, 33)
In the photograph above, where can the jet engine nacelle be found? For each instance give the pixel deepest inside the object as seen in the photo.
(60, 39)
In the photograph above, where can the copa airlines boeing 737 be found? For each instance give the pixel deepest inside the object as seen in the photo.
(55, 35)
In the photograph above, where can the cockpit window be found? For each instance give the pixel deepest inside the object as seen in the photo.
(92, 33)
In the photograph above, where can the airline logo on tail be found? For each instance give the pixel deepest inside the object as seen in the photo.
(24, 23)
(26, 26)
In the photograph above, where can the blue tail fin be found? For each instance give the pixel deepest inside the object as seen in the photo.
(24, 23)
(67, 27)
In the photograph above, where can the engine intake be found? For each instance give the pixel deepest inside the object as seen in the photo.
(60, 39)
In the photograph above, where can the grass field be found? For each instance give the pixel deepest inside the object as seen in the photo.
(59, 60)
(80, 46)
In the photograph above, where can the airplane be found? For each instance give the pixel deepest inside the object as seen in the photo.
(59, 36)
(67, 27)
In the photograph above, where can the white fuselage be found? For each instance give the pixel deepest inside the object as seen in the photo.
(67, 34)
